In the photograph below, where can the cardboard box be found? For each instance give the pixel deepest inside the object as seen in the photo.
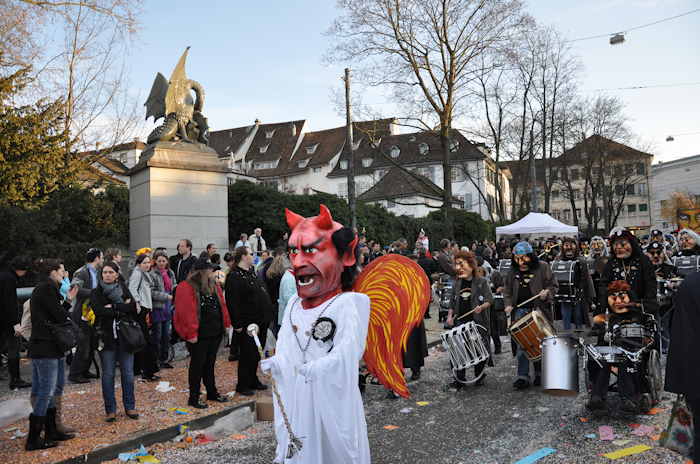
(264, 408)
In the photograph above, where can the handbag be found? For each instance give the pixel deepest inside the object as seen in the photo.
(130, 335)
(65, 334)
(678, 435)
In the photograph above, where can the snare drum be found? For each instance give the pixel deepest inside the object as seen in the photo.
(465, 346)
(611, 354)
(686, 265)
(529, 331)
(632, 331)
(563, 272)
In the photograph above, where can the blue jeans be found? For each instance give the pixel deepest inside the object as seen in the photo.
(523, 362)
(569, 308)
(47, 375)
(126, 368)
(160, 337)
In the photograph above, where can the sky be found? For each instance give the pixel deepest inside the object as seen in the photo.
(265, 61)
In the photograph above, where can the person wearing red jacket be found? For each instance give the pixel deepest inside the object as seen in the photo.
(201, 319)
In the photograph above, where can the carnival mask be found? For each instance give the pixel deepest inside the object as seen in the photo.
(686, 241)
(656, 256)
(689, 218)
(315, 260)
(463, 269)
(618, 301)
(523, 262)
(622, 248)
(569, 249)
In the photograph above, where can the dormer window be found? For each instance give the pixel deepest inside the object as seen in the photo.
(343, 164)
(303, 163)
(412, 138)
(423, 148)
(356, 145)
(375, 143)
(366, 162)
(395, 151)
(454, 145)
(264, 148)
(311, 149)
(269, 134)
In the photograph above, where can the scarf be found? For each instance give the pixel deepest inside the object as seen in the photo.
(113, 292)
(167, 282)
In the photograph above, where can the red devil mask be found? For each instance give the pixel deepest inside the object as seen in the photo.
(315, 259)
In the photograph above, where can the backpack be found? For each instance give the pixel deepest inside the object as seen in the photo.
(25, 325)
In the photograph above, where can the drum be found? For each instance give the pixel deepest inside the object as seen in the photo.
(632, 331)
(564, 274)
(611, 354)
(529, 331)
(686, 265)
(465, 346)
(560, 366)
(504, 266)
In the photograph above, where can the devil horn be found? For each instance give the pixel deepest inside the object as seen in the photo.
(293, 219)
(324, 220)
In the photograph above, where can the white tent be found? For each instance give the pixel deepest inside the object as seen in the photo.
(538, 224)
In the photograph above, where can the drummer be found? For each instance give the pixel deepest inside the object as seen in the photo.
(471, 295)
(628, 263)
(620, 298)
(583, 284)
(665, 271)
(527, 277)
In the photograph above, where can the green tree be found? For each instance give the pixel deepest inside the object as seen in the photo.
(32, 141)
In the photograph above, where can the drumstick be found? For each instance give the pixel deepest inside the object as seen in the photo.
(528, 300)
(467, 314)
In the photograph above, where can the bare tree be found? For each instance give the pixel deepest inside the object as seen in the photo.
(426, 51)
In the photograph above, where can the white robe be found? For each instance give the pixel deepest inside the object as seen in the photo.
(322, 399)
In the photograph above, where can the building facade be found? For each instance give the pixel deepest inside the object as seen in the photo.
(677, 176)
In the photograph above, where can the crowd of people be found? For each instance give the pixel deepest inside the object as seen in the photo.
(130, 318)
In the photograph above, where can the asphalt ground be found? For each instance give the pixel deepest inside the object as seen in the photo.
(488, 424)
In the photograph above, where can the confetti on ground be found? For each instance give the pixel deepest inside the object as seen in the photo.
(627, 451)
(644, 430)
(147, 458)
(239, 436)
(180, 411)
(606, 432)
(621, 442)
(406, 410)
(655, 437)
(133, 455)
(536, 456)
(422, 403)
(391, 427)
(591, 435)
(634, 426)
(164, 387)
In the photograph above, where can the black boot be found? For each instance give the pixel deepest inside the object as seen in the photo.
(35, 440)
(17, 382)
(52, 432)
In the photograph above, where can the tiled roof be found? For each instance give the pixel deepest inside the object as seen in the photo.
(90, 174)
(135, 145)
(229, 140)
(413, 149)
(328, 143)
(280, 144)
(399, 183)
(597, 142)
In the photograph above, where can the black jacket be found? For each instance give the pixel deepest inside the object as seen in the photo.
(181, 267)
(104, 317)
(642, 280)
(247, 299)
(429, 266)
(47, 306)
(9, 308)
(682, 374)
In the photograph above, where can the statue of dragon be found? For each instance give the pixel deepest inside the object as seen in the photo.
(183, 118)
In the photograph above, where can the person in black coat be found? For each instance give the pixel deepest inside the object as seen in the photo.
(48, 364)
(248, 303)
(682, 374)
(10, 316)
(111, 302)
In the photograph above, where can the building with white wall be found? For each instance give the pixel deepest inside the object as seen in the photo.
(680, 175)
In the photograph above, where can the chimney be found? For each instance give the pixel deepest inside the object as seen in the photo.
(257, 122)
(137, 139)
(294, 129)
(97, 146)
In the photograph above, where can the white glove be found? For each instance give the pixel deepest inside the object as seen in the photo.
(269, 365)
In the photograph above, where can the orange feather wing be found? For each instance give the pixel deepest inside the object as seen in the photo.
(399, 292)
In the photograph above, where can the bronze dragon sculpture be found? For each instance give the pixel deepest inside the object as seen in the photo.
(183, 118)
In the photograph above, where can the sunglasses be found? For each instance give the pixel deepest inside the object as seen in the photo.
(618, 295)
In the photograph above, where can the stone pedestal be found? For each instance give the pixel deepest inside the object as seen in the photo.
(178, 190)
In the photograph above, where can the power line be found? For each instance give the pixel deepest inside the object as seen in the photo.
(599, 36)
(652, 86)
